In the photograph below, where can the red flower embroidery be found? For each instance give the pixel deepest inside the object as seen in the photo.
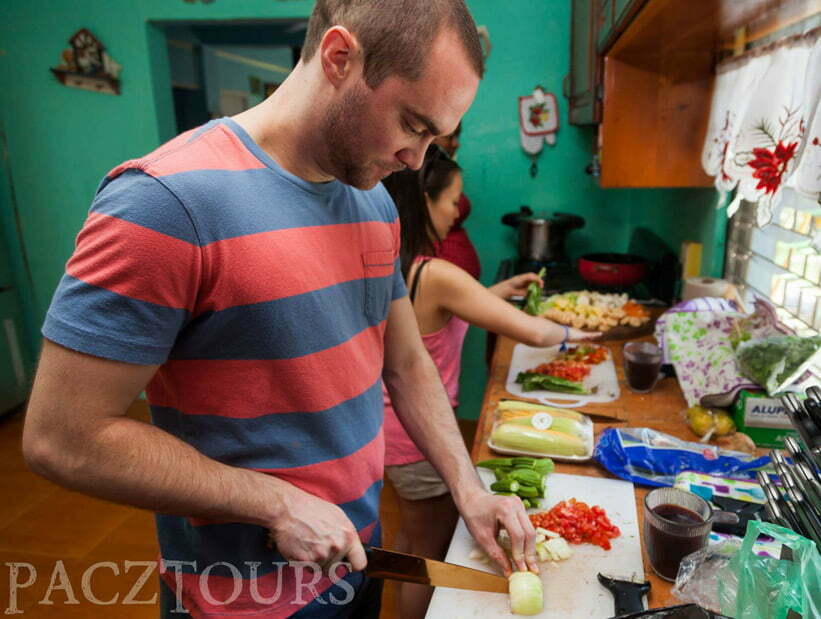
(724, 176)
(770, 166)
(815, 141)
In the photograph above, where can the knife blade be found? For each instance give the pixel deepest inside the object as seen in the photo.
(393, 565)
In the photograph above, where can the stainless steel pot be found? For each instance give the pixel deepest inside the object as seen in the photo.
(541, 237)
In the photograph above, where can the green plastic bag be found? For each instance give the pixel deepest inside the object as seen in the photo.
(752, 586)
(776, 362)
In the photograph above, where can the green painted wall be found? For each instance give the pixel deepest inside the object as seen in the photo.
(62, 141)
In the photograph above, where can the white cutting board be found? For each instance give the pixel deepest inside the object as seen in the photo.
(602, 376)
(571, 589)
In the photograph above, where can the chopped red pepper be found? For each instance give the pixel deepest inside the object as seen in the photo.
(578, 523)
(569, 370)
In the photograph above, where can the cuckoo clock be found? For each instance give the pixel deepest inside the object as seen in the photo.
(86, 65)
(88, 52)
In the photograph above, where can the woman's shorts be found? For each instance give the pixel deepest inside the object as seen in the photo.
(416, 481)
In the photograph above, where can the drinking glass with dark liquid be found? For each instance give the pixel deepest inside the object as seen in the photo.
(642, 365)
(676, 523)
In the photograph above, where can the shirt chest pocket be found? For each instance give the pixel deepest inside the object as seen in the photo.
(378, 268)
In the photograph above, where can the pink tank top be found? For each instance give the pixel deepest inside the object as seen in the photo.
(445, 348)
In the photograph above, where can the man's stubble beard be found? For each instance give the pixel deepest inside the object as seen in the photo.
(341, 128)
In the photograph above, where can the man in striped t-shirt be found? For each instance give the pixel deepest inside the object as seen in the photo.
(245, 274)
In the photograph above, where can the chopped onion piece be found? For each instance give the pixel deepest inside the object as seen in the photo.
(559, 548)
(525, 590)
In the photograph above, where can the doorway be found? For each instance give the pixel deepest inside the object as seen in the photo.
(223, 68)
(16, 356)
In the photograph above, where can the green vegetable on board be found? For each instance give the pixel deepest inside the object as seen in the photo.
(533, 299)
(544, 466)
(524, 463)
(522, 476)
(506, 485)
(496, 463)
(527, 477)
(533, 381)
(528, 492)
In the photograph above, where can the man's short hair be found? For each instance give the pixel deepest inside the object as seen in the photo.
(395, 34)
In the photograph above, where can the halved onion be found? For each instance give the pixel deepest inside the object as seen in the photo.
(525, 589)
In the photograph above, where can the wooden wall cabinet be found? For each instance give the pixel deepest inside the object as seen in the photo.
(649, 65)
(653, 130)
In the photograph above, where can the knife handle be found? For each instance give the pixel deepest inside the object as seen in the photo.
(630, 600)
(628, 597)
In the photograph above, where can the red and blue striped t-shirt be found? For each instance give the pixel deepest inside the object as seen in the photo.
(264, 298)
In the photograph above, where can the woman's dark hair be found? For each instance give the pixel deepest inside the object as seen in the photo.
(408, 189)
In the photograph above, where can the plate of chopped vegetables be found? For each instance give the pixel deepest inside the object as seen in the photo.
(582, 374)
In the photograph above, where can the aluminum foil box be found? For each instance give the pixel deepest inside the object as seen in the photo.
(762, 418)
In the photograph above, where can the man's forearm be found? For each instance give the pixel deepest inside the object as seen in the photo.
(128, 461)
(422, 405)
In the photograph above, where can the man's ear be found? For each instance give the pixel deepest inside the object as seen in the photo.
(339, 53)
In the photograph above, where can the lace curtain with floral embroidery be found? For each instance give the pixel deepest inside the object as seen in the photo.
(764, 130)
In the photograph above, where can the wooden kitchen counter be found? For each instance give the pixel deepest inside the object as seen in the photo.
(662, 409)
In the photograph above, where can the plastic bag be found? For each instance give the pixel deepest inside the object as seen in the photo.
(698, 337)
(697, 579)
(776, 362)
(752, 586)
(644, 456)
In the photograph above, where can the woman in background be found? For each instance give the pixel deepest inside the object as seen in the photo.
(446, 299)
(455, 246)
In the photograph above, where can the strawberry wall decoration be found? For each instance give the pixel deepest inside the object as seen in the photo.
(538, 123)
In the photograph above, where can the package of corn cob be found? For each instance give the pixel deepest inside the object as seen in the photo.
(526, 429)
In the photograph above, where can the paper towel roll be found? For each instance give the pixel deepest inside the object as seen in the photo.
(695, 287)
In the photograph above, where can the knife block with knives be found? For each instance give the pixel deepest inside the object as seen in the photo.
(797, 503)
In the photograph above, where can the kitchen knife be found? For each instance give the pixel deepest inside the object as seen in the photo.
(805, 425)
(795, 497)
(411, 568)
(813, 409)
(796, 450)
(810, 482)
(774, 515)
(811, 528)
(814, 394)
(779, 506)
